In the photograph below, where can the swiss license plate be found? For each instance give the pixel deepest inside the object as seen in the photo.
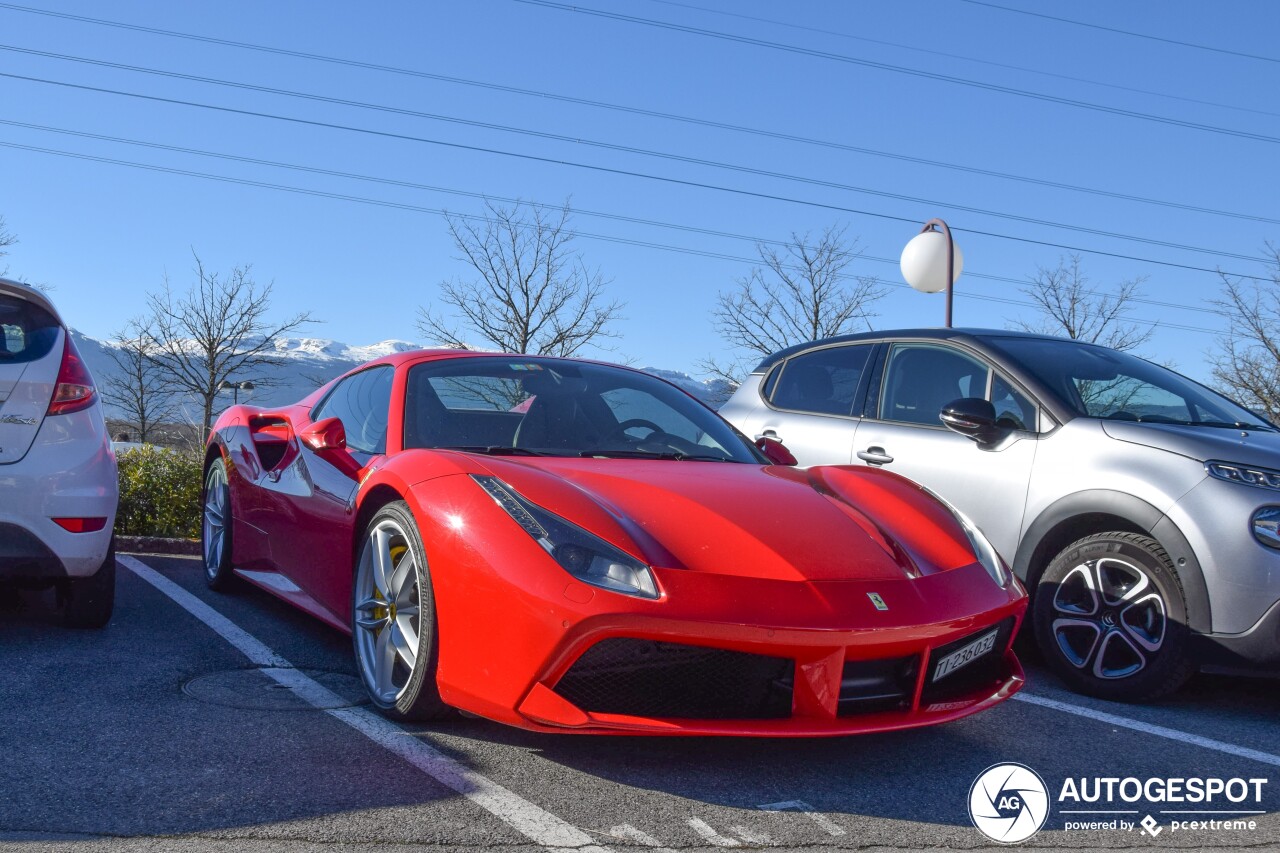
(966, 655)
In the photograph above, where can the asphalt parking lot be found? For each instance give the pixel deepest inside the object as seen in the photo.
(189, 724)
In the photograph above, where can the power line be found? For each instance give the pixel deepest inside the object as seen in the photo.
(442, 78)
(1019, 68)
(577, 210)
(475, 217)
(628, 149)
(615, 171)
(1147, 36)
(900, 69)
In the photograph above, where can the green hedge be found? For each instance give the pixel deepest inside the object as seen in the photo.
(159, 493)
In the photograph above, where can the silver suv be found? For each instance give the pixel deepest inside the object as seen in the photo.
(58, 486)
(1141, 509)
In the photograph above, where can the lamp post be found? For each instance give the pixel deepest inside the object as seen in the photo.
(931, 261)
(235, 388)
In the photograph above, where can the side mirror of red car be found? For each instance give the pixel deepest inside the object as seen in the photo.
(328, 439)
(775, 451)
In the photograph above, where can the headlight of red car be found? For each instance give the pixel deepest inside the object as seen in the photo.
(584, 555)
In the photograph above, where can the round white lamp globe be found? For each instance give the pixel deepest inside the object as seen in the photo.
(924, 262)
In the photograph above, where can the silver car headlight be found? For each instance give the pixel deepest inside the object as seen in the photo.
(1249, 475)
(584, 555)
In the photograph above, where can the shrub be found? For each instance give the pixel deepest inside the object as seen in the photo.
(159, 493)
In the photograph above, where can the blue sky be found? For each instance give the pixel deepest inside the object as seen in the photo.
(103, 234)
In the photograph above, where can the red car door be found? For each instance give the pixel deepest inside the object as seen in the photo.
(312, 534)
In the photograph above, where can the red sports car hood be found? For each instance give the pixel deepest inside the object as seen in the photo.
(824, 523)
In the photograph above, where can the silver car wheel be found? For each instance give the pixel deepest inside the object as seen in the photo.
(387, 611)
(217, 515)
(1109, 618)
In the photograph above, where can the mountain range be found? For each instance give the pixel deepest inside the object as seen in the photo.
(305, 364)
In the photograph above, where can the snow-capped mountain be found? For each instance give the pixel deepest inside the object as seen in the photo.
(307, 363)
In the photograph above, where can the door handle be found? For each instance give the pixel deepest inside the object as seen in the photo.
(874, 455)
(768, 434)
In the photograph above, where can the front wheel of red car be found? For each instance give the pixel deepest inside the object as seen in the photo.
(1111, 618)
(394, 618)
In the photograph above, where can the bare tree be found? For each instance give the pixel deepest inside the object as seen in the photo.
(800, 293)
(1247, 361)
(7, 239)
(217, 331)
(534, 294)
(139, 387)
(1069, 307)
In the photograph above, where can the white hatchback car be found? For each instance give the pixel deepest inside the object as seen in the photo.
(58, 482)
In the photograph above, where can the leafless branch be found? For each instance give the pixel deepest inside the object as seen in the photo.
(1247, 359)
(218, 330)
(1068, 307)
(800, 293)
(534, 294)
(138, 387)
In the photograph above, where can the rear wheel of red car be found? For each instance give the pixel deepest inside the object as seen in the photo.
(215, 528)
(1111, 618)
(88, 602)
(394, 619)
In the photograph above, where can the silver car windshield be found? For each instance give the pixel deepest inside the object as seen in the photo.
(525, 405)
(1099, 382)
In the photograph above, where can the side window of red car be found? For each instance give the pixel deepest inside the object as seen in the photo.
(362, 402)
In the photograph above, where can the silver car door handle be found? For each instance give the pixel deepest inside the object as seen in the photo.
(768, 434)
(874, 455)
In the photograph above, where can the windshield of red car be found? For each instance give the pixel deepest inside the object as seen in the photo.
(530, 405)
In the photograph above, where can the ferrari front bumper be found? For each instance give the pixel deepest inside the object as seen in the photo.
(623, 674)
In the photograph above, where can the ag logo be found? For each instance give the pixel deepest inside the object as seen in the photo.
(1008, 803)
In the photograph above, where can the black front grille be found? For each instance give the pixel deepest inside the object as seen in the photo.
(982, 672)
(887, 684)
(643, 678)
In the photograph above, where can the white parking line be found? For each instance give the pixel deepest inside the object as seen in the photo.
(1149, 728)
(709, 834)
(535, 823)
(629, 833)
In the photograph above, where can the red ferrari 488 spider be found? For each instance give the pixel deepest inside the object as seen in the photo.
(572, 546)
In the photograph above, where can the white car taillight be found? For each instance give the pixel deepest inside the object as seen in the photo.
(74, 390)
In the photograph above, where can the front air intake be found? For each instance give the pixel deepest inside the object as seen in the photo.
(643, 678)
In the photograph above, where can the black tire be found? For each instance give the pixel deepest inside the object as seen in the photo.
(1110, 618)
(88, 602)
(218, 573)
(418, 699)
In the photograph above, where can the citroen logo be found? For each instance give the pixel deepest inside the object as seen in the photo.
(877, 601)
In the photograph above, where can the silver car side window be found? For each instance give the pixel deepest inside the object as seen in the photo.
(823, 381)
(922, 378)
(1013, 409)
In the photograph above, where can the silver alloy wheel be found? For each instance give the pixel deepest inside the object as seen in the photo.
(1109, 618)
(387, 611)
(217, 511)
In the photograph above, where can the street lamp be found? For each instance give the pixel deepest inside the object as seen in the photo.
(932, 261)
(235, 388)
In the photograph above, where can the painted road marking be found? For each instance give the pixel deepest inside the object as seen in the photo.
(750, 836)
(710, 836)
(828, 825)
(1149, 728)
(628, 832)
(530, 820)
